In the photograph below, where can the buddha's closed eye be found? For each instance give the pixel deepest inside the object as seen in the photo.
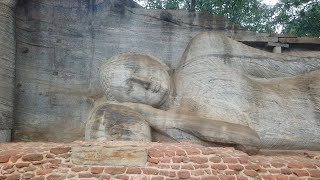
(149, 83)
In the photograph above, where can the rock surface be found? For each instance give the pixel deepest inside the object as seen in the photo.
(61, 45)
(116, 154)
(276, 95)
(7, 67)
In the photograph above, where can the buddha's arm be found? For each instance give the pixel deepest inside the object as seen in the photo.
(206, 129)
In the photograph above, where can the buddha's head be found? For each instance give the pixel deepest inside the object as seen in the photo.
(135, 78)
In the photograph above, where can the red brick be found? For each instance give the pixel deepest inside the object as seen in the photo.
(157, 178)
(254, 167)
(314, 173)
(50, 166)
(122, 177)
(277, 165)
(4, 158)
(7, 166)
(243, 160)
(203, 166)
(115, 170)
(133, 170)
(163, 166)
(165, 160)
(43, 171)
(227, 177)
(231, 172)
(199, 160)
(169, 153)
(55, 177)
(27, 175)
(230, 160)
(55, 161)
(32, 157)
(265, 165)
(183, 174)
(286, 171)
(281, 177)
(240, 177)
(274, 171)
(150, 171)
(181, 153)
(236, 167)
(86, 175)
(295, 166)
(96, 170)
(175, 166)
(38, 178)
(49, 156)
(300, 173)
(309, 165)
(8, 171)
(15, 158)
(269, 177)
(65, 156)
(155, 153)
(198, 172)
(60, 150)
(187, 166)
(251, 173)
(194, 178)
(207, 151)
(22, 164)
(219, 166)
(37, 162)
(13, 177)
(167, 173)
(79, 168)
(153, 160)
(177, 159)
(210, 178)
(215, 159)
(30, 168)
(193, 151)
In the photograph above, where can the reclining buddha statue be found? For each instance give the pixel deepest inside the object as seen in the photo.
(223, 93)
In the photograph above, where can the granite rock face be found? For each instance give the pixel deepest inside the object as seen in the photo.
(276, 95)
(62, 44)
(7, 67)
(115, 123)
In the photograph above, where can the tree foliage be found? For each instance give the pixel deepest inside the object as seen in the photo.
(299, 17)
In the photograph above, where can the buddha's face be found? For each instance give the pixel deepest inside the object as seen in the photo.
(135, 78)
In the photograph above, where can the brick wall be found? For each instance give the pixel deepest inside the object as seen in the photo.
(166, 161)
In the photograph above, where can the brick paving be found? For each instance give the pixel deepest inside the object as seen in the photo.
(52, 161)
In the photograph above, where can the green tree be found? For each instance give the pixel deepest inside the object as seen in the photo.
(298, 17)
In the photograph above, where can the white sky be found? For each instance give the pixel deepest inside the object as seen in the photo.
(270, 2)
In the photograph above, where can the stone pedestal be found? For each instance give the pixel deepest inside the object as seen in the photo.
(110, 154)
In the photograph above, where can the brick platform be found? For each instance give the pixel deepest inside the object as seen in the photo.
(166, 161)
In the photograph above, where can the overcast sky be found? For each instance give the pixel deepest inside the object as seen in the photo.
(270, 2)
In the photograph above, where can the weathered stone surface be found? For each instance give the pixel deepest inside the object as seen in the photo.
(61, 45)
(110, 155)
(113, 122)
(5, 135)
(135, 78)
(276, 95)
(7, 66)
